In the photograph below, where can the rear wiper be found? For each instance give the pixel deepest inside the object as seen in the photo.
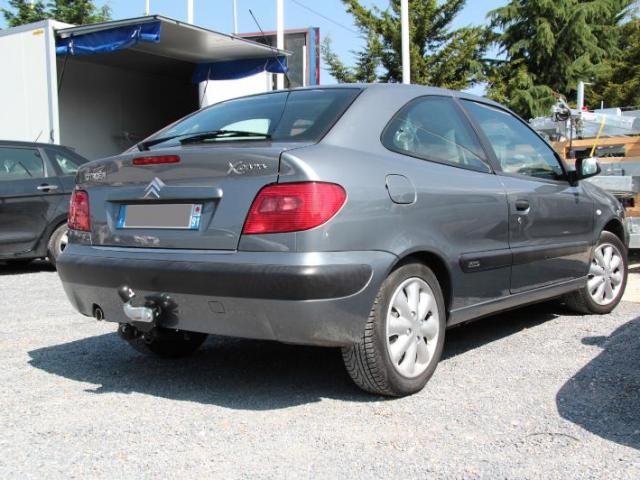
(150, 143)
(222, 134)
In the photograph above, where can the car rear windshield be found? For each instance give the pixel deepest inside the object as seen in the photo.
(297, 116)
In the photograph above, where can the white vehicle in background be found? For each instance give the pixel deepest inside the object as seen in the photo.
(101, 88)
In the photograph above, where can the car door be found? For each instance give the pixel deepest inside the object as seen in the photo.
(461, 206)
(28, 195)
(550, 220)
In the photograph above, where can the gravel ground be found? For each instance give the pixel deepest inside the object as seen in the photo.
(535, 393)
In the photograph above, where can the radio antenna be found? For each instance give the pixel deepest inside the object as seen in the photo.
(274, 50)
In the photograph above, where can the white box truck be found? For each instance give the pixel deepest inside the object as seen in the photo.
(101, 88)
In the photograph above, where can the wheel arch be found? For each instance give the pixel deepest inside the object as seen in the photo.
(40, 249)
(53, 225)
(615, 226)
(437, 264)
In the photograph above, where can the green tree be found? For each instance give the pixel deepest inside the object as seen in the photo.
(548, 46)
(440, 56)
(621, 86)
(365, 69)
(22, 11)
(77, 12)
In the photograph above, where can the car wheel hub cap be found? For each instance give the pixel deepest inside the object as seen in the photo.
(413, 327)
(606, 274)
(64, 240)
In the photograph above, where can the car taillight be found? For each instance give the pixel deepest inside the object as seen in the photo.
(79, 211)
(156, 160)
(292, 207)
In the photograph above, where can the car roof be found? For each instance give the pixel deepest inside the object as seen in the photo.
(418, 90)
(21, 143)
(380, 88)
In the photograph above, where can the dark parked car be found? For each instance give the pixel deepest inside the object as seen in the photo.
(36, 181)
(369, 217)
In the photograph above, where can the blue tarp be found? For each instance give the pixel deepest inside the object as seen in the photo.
(118, 38)
(234, 69)
(121, 38)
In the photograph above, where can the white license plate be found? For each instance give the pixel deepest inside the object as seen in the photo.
(178, 216)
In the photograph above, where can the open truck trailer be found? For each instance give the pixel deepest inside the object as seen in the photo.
(101, 88)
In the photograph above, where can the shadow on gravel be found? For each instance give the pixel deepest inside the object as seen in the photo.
(232, 373)
(486, 330)
(246, 374)
(604, 396)
(19, 267)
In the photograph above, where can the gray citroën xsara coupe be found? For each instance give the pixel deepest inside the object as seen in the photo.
(366, 217)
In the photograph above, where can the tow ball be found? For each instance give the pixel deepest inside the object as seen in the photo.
(145, 315)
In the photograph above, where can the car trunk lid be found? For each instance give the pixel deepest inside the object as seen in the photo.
(199, 201)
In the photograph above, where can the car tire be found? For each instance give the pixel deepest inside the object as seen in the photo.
(57, 243)
(161, 342)
(377, 363)
(607, 271)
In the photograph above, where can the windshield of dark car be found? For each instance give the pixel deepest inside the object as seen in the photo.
(296, 116)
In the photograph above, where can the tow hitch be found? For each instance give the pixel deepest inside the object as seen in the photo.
(143, 316)
(143, 320)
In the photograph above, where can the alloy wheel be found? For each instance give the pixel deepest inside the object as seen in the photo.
(63, 241)
(413, 327)
(606, 274)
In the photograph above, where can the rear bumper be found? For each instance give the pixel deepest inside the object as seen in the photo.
(308, 298)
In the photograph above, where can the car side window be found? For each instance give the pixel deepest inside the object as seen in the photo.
(67, 164)
(433, 128)
(519, 150)
(20, 163)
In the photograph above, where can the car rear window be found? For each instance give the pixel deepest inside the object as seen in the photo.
(297, 116)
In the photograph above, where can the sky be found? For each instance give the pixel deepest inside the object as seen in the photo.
(217, 15)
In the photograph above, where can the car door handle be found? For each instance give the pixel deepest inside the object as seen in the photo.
(47, 188)
(522, 205)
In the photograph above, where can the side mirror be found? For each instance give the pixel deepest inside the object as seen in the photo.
(585, 168)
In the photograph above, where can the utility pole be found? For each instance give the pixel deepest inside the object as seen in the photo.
(280, 38)
(406, 57)
(235, 17)
(147, 7)
(580, 99)
(190, 11)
